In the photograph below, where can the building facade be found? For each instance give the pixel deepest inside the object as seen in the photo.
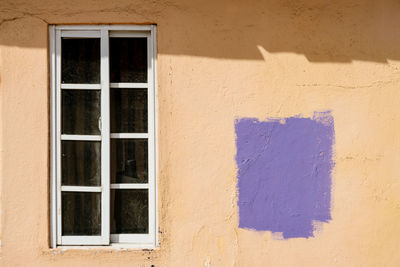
(271, 133)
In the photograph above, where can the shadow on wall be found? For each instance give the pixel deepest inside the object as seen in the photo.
(321, 30)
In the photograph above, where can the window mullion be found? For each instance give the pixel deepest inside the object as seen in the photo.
(105, 137)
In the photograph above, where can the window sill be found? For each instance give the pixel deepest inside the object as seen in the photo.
(115, 246)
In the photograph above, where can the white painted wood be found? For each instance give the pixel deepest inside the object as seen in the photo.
(132, 238)
(105, 234)
(129, 85)
(155, 88)
(139, 28)
(110, 248)
(81, 240)
(149, 238)
(130, 186)
(53, 139)
(80, 86)
(130, 135)
(131, 245)
(72, 188)
(77, 137)
(105, 132)
(80, 34)
(129, 34)
(102, 31)
(151, 146)
(58, 133)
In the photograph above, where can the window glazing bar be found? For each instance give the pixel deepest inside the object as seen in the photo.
(130, 135)
(76, 137)
(71, 188)
(129, 85)
(130, 186)
(80, 86)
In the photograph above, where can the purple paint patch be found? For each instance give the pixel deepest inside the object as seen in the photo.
(284, 177)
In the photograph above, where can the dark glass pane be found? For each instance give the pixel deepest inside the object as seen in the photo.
(128, 110)
(129, 211)
(80, 60)
(80, 163)
(81, 213)
(128, 60)
(129, 161)
(80, 111)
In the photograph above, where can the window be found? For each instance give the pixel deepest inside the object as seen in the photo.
(103, 145)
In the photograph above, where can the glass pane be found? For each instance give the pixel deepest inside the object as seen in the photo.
(81, 213)
(80, 112)
(80, 163)
(129, 211)
(128, 60)
(129, 161)
(128, 110)
(80, 60)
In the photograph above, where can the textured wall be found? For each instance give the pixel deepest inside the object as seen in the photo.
(219, 62)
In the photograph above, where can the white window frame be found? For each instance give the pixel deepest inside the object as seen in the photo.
(104, 32)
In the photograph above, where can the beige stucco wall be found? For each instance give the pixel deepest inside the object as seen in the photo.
(217, 61)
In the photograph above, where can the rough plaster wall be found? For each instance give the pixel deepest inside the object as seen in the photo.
(219, 61)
